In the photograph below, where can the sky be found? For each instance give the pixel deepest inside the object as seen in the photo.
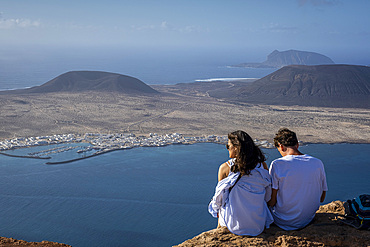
(336, 28)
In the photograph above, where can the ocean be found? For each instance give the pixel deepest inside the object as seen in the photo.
(35, 66)
(139, 197)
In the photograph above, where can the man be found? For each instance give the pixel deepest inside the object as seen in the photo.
(298, 183)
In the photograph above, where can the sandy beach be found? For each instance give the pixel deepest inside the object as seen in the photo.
(190, 114)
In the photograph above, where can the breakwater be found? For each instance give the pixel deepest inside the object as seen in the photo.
(25, 156)
(84, 157)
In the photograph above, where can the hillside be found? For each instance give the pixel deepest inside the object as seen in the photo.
(324, 85)
(80, 81)
(278, 59)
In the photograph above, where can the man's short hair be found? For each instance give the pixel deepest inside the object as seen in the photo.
(285, 137)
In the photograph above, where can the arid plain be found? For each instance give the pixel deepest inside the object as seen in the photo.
(188, 112)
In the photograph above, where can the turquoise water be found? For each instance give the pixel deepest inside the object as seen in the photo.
(139, 197)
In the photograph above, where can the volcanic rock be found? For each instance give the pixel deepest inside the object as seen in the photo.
(326, 230)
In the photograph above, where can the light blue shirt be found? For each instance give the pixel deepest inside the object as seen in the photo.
(244, 209)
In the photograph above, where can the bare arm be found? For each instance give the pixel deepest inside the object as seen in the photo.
(272, 201)
(323, 196)
(223, 171)
(265, 166)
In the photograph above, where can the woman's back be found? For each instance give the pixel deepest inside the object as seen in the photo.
(243, 189)
(246, 211)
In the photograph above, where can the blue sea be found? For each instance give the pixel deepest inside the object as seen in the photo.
(139, 197)
(35, 66)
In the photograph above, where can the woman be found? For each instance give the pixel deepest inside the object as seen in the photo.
(240, 198)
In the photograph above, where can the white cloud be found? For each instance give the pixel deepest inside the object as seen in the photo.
(164, 25)
(18, 23)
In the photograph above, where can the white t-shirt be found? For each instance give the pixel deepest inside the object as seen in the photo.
(300, 181)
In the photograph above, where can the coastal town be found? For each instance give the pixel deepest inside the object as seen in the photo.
(102, 143)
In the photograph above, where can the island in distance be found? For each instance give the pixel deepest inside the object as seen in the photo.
(80, 81)
(278, 59)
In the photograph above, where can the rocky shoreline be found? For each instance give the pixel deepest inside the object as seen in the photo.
(326, 230)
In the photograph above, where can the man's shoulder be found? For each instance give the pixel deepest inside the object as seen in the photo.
(311, 158)
(289, 159)
(281, 159)
(277, 164)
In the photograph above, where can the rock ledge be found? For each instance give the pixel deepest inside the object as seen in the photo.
(6, 242)
(326, 230)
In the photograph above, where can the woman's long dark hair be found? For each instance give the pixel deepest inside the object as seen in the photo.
(248, 155)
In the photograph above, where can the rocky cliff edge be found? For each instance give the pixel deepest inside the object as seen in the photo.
(7, 242)
(326, 230)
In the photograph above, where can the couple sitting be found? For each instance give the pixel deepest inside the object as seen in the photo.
(248, 197)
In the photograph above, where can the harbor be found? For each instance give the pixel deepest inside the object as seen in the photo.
(99, 144)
